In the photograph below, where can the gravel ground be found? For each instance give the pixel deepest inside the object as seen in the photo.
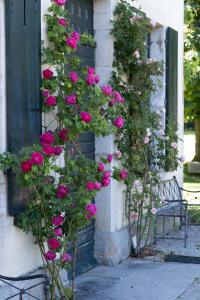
(177, 246)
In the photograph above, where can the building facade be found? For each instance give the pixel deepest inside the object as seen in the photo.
(18, 253)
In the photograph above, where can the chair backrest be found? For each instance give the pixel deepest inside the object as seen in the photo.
(42, 279)
(167, 190)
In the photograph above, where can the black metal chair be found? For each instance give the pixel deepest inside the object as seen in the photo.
(21, 292)
(174, 206)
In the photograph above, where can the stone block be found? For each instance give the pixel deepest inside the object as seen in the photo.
(194, 167)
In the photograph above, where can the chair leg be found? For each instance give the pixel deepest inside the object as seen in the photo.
(155, 230)
(185, 236)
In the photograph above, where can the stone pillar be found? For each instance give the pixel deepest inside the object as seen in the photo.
(111, 236)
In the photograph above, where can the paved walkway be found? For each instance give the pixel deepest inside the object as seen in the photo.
(141, 280)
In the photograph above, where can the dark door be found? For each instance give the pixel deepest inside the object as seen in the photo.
(23, 84)
(82, 21)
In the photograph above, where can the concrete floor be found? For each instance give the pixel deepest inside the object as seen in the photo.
(141, 280)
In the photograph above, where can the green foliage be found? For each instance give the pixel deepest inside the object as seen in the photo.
(192, 60)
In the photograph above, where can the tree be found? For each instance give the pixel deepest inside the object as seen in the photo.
(192, 68)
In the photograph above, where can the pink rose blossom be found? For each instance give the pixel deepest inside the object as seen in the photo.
(107, 90)
(91, 210)
(97, 185)
(109, 158)
(90, 80)
(73, 77)
(60, 2)
(54, 243)
(71, 99)
(45, 93)
(117, 96)
(153, 23)
(72, 42)
(154, 211)
(85, 117)
(63, 134)
(47, 138)
(26, 166)
(57, 150)
(105, 181)
(97, 79)
(106, 174)
(47, 74)
(37, 158)
(91, 70)
(48, 150)
(101, 167)
(174, 145)
(62, 22)
(90, 186)
(136, 54)
(117, 154)
(146, 140)
(66, 257)
(50, 255)
(119, 122)
(76, 36)
(62, 191)
(58, 231)
(112, 102)
(57, 221)
(51, 101)
(123, 174)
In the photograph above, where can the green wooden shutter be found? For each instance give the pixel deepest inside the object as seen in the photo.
(23, 84)
(172, 76)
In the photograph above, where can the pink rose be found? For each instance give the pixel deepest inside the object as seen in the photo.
(153, 23)
(57, 221)
(71, 99)
(136, 54)
(45, 93)
(66, 257)
(91, 210)
(50, 255)
(112, 102)
(174, 145)
(109, 158)
(62, 22)
(117, 96)
(100, 167)
(53, 243)
(37, 158)
(134, 216)
(97, 185)
(72, 42)
(119, 122)
(57, 150)
(106, 174)
(123, 174)
(91, 70)
(63, 134)
(117, 154)
(26, 166)
(60, 2)
(154, 211)
(85, 117)
(47, 138)
(47, 74)
(58, 231)
(48, 150)
(97, 79)
(146, 140)
(90, 80)
(62, 191)
(105, 181)
(90, 186)
(107, 90)
(73, 77)
(76, 35)
(51, 101)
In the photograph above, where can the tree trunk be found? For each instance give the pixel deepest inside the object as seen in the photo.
(197, 136)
